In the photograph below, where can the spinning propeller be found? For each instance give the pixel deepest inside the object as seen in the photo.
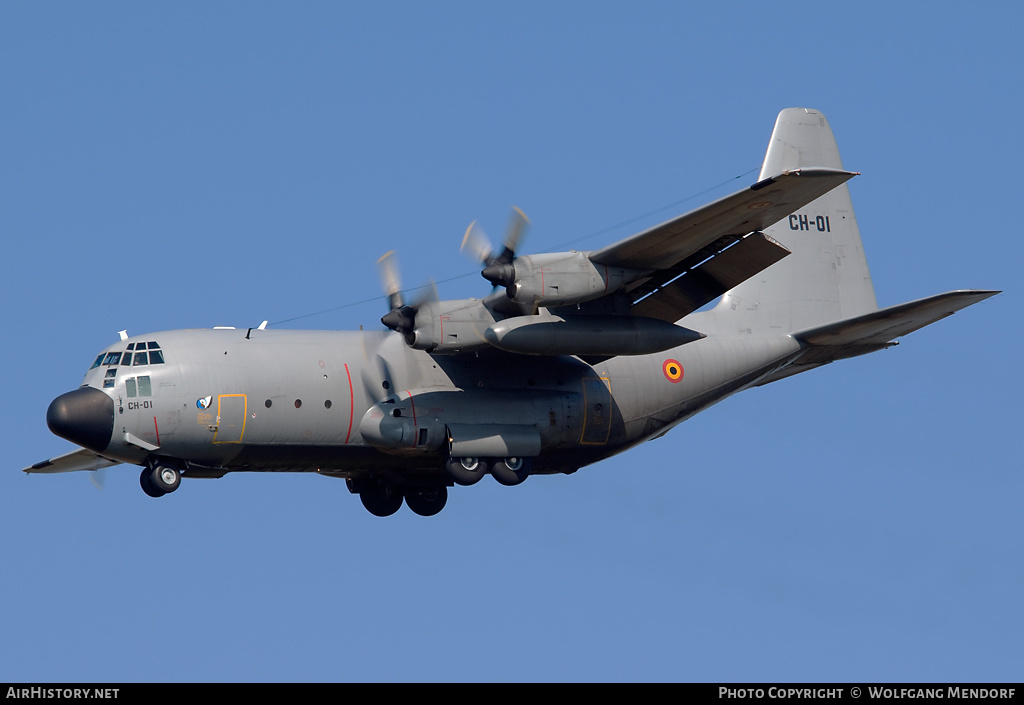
(498, 269)
(402, 316)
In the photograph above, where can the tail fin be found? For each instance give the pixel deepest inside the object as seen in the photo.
(826, 278)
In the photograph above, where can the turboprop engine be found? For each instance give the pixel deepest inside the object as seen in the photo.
(557, 279)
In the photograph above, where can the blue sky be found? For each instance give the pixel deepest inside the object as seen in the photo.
(201, 164)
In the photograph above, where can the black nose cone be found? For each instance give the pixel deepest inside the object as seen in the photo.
(84, 416)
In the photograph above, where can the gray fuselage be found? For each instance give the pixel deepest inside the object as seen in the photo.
(354, 402)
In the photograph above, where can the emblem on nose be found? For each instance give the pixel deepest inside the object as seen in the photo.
(84, 416)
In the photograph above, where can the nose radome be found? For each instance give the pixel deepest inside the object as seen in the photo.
(84, 416)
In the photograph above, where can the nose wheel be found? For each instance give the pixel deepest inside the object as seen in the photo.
(160, 479)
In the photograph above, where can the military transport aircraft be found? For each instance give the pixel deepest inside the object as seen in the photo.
(574, 356)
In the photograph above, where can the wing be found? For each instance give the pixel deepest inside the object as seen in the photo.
(704, 253)
(625, 298)
(69, 462)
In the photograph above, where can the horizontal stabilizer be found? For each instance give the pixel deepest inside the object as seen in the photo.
(887, 324)
(873, 331)
(70, 462)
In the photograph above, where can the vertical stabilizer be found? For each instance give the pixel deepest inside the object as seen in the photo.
(826, 278)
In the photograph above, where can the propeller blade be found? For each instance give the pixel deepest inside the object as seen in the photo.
(387, 267)
(377, 379)
(99, 478)
(427, 295)
(517, 226)
(476, 244)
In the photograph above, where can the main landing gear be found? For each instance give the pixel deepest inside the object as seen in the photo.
(160, 478)
(383, 499)
(507, 471)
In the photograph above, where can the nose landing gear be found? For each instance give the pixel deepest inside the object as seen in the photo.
(160, 478)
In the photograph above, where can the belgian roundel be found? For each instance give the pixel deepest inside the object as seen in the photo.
(673, 371)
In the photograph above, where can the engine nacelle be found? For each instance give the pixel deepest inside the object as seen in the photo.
(563, 279)
(448, 327)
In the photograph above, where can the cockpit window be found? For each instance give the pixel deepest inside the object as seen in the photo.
(137, 354)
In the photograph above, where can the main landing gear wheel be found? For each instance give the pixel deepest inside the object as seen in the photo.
(511, 471)
(427, 502)
(381, 500)
(466, 471)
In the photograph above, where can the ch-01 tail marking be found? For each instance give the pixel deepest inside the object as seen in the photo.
(803, 222)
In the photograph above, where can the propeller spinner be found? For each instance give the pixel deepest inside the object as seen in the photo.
(499, 269)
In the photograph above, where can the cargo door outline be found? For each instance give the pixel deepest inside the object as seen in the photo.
(231, 412)
(597, 412)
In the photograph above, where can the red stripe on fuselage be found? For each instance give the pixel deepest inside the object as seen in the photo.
(351, 404)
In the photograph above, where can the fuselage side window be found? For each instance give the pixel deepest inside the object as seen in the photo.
(129, 387)
(145, 389)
